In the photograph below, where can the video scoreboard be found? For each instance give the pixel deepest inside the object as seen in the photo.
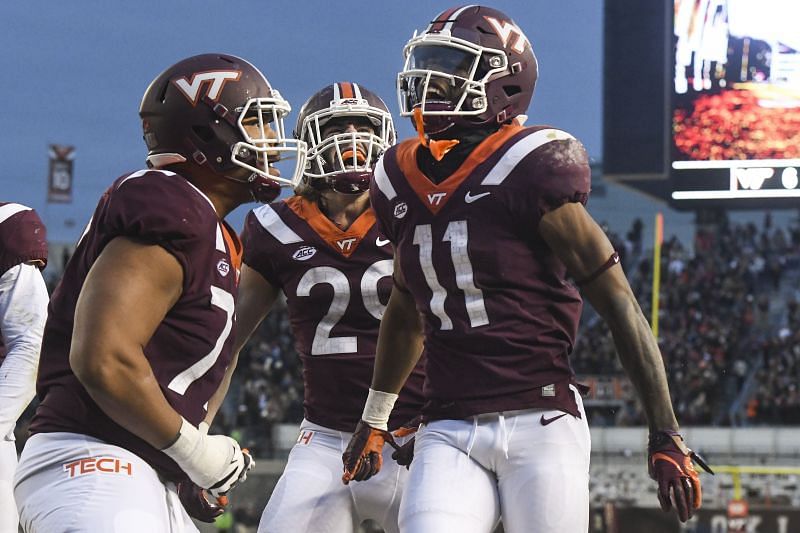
(735, 100)
(702, 101)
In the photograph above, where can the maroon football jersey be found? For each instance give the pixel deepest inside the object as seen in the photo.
(190, 348)
(23, 238)
(500, 317)
(337, 284)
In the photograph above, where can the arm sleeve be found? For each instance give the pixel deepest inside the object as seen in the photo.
(256, 255)
(23, 311)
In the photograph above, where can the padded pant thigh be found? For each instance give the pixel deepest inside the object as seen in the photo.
(447, 492)
(310, 496)
(76, 484)
(8, 509)
(544, 484)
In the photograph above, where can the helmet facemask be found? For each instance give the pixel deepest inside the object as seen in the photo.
(344, 160)
(445, 78)
(261, 124)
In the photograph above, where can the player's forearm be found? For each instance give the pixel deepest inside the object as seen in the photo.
(640, 356)
(124, 387)
(399, 343)
(216, 400)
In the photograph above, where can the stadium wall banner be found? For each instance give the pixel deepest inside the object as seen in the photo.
(652, 520)
(59, 180)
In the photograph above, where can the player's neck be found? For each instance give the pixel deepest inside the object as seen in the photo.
(343, 209)
(225, 194)
(468, 139)
(223, 204)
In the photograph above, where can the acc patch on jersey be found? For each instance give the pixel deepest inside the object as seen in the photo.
(223, 268)
(303, 253)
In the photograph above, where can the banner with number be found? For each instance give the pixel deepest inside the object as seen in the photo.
(59, 181)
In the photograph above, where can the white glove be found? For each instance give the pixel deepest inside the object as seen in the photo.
(214, 462)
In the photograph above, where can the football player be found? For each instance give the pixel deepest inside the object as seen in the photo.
(322, 249)
(23, 310)
(138, 336)
(488, 221)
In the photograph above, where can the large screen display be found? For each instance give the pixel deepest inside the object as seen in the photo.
(735, 99)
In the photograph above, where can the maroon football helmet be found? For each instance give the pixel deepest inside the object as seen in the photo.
(342, 160)
(196, 112)
(471, 66)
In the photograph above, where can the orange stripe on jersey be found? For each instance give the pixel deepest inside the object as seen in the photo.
(343, 241)
(435, 196)
(346, 89)
(234, 245)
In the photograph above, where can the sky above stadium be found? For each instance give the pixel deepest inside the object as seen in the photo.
(74, 73)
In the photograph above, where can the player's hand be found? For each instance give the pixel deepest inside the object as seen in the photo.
(214, 462)
(405, 453)
(197, 504)
(669, 462)
(363, 456)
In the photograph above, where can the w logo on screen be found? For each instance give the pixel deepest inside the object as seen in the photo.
(214, 80)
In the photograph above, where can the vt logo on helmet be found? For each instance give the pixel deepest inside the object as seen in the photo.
(470, 67)
(347, 128)
(217, 81)
(219, 112)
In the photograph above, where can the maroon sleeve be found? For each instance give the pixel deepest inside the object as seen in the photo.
(380, 204)
(558, 173)
(162, 209)
(23, 238)
(255, 241)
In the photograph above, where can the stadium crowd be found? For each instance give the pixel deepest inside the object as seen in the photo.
(723, 315)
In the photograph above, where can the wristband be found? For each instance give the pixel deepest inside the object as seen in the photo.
(185, 446)
(378, 408)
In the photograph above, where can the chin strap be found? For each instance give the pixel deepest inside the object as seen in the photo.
(438, 149)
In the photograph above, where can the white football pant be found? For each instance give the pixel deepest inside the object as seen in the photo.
(467, 474)
(8, 510)
(67, 482)
(311, 498)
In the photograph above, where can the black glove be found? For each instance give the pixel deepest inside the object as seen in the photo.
(405, 453)
(195, 501)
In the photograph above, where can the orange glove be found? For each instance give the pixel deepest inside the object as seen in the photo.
(363, 456)
(669, 462)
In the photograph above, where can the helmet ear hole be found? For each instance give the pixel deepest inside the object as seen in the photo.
(512, 90)
(204, 133)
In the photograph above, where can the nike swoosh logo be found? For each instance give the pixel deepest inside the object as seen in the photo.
(381, 242)
(546, 421)
(469, 198)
